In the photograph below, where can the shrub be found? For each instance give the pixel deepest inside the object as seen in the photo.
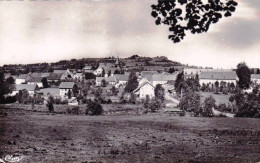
(49, 104)
(75, 110)
(94, 108)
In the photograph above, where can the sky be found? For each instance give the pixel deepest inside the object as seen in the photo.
(33, 31)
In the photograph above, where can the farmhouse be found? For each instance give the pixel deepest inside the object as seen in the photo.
(36, 80)
(54, 77)
(98, 71)
(31, 88)
(65, 87)
(22, 78)
(160, 78)
(54, 92)
(111, 80)
(121, 79)
(212, 77)
(255, 78)
(78, 76)
(144, 89)
(87, 69)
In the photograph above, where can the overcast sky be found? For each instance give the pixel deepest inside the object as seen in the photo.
(48, 31)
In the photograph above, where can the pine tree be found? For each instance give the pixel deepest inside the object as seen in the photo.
(132, 83)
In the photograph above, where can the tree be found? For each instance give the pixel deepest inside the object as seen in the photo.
(75, 90)
(190, 101)
(217, 86)
(244, 76)
(103, 72)
(49, 104)
(199, 15)
(3, 88)
(10, 80)
(98, 92)
(132, 98)
(45, 82)
(209, 103)
(69, 94)
(132, 83)
(114, 91)
(90, 75)
(159, 92)
(103, 83)
(23, 96)
(178, 82)
(109, 73)
(171, 70)
(94, 108)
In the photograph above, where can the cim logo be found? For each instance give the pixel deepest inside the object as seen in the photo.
(11, 158)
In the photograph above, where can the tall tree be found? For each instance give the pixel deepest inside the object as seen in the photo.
(244, 76)
(178, 82)
(3, 88)
(132, 83)
(159, 92)
(196, 17)
(45, 82)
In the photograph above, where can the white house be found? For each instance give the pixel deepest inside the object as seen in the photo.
(78, 76)
(31, 88)
(22, 78)
(121, 79)
(36, 80)
(255, 78)
(87, 69)
(144, 89)
(65, 87)
(111, 80)
(212, 77)
(160, 78)
(98, 71)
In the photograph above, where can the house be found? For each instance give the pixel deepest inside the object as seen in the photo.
(144, 89)
(87, 69)
(212, 77)
(161, 78)
(255, 78)
(109, 69)
(65, 87)
(31, 88)
(54, 77)
(54, 92)
(121, 79)
(36, 80)
(98, 71)
(60, 71)
(111, 80)
(78, 76)
(22, 78)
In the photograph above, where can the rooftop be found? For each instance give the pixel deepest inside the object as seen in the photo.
(67, 85)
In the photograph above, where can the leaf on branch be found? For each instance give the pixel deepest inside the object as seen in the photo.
(197, 19)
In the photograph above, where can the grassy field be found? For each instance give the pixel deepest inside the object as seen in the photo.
(220, 98)
(44, 137)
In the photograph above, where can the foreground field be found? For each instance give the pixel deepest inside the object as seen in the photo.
(41, 137)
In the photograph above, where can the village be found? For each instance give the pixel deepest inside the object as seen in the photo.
(106, 109)
(114, 80)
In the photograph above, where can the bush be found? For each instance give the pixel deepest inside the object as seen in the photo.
(50, 104)
(10, 99)
(94, 108)
(182, 114)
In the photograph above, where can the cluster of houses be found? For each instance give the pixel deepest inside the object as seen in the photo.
(148, 77)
